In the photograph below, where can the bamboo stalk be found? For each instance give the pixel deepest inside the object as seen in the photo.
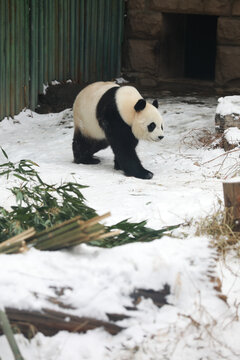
(92, 228)
(73, 238)
(95, 220)
(23, 247)
(7, 330)
(14, 248)
(55, 227)
(110, 234)
(61, 238)
(56, 232)
(96, 234)
(18, 238)
(66, 242)
(69, 233)
(78, 239)
(100, 237)
(68, 225)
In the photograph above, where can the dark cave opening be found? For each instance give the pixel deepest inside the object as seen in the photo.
(200, 47)
(189, 46)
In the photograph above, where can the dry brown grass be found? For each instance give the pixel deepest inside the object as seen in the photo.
(221, 227)
(202, 137)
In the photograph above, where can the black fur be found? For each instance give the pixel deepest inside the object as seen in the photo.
(84, 148)
(140, 105)
(151, 127)
(155, 103)
(120, 137)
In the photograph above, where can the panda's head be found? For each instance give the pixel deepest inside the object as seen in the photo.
(147, 123)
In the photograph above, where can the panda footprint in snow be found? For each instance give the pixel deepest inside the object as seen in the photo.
(107, 114)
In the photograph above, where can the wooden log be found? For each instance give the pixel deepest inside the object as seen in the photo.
(49, 322)
(231, 191)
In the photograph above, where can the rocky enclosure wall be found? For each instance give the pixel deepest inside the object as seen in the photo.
(145, 58)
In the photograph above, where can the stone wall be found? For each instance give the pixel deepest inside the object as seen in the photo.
(153, 54)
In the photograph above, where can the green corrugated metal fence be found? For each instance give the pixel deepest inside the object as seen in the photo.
(45, 40)
(14, 56)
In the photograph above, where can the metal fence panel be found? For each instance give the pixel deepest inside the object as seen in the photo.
(14, 56)
(46, 40)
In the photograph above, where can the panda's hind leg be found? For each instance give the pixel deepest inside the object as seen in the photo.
(84, 148)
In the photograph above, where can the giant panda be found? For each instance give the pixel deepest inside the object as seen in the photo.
(108, 114)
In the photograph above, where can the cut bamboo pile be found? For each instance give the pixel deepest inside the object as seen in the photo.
(67, 234)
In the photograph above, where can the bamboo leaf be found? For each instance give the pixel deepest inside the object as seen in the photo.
(5, 164)
(4, 153)
(5, 172)
(20, 177)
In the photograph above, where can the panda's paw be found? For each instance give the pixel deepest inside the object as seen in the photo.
(143, 174)
(93, 160)
(87, 160)
(147, 175)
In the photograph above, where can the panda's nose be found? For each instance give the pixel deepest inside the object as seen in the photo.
(161, 137)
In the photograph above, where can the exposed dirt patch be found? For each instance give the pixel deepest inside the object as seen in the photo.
(58, 97)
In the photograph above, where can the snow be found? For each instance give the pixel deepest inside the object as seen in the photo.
(232, 135)
(228, 105)
(233, 180)
(187, 184)
(54, 82)
(121, 80)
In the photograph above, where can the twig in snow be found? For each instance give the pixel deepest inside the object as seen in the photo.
(224, 154)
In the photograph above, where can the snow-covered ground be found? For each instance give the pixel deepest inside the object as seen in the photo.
(187, 184)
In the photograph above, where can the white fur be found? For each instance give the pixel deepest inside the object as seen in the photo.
(84, 111)
(144, 118)
(126, 98)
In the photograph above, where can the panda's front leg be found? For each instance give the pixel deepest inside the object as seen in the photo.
(116, 164)
(126, 159)
(131, 166)
(123, 143)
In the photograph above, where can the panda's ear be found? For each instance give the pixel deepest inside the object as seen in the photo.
(155, 103)
(140, 105)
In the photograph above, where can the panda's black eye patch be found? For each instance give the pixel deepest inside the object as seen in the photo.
(151, 126)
